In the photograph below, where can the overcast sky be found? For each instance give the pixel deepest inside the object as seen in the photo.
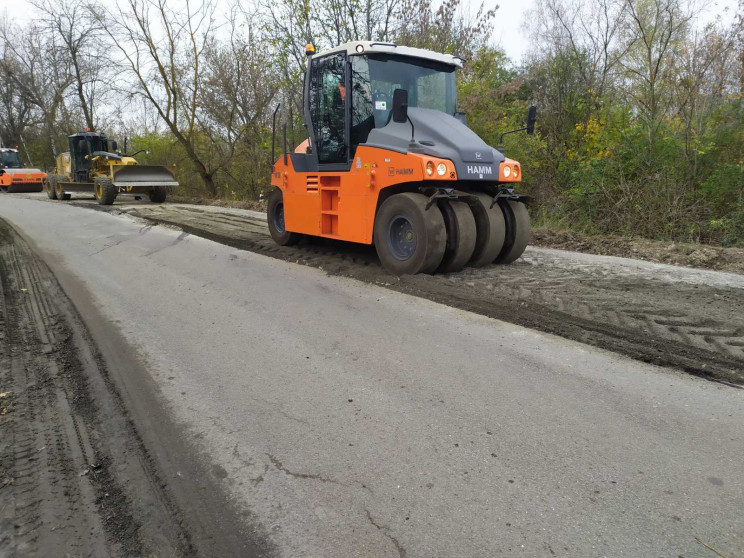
(508, 28)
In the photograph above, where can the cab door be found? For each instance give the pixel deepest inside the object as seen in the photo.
(328, 105)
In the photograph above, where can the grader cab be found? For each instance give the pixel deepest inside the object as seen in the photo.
(390, 161)
(94, 165)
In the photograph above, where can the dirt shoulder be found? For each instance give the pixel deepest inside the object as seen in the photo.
(74, 477)
(700, 256)
(671, 316)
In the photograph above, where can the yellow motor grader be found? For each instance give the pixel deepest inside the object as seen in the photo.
(93, 165)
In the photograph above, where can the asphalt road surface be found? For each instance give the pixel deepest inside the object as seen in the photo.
(343, 419)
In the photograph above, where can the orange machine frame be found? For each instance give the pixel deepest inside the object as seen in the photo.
(343, 204)
(21, 177)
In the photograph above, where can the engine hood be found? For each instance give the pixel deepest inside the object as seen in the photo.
(441, 135)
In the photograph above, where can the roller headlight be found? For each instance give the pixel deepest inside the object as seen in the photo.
(516, 171)
(507, 171)
(429, 168)
(441, 169)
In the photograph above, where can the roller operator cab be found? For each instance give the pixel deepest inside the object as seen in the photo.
(94, 165)
(389, 161)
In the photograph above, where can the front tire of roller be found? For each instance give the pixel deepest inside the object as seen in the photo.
(491, 230)
(105, 191)
(461, 235)
(275, 217)
(158, 194)
(517, 231)
(409, 238)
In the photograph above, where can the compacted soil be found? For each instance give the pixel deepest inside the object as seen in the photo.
(667, 315)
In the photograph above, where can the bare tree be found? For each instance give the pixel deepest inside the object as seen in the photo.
(16, 110)
(162, 53)
(41, 74)
(80, 34)
(653, 30)
(239, 86)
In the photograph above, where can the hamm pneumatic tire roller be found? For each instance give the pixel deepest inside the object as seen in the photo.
(389, 161)
(93, 166)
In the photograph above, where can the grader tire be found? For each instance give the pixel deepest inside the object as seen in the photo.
(491, 230)
(158, 194)
(461, 235)
(105, 191)
(58, 190)
(517, 231)
(409, 238)
(50, 185)
(275, 218)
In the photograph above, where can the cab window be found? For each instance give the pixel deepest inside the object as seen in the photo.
(328, 108)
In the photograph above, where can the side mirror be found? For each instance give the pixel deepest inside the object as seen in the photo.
(531, 118)
(114, 147)
(400, 105)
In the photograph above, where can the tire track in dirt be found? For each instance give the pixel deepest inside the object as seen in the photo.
(693, 326)
(60, 492)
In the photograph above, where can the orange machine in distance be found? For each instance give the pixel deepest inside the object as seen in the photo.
(14, 177)
(390, 161)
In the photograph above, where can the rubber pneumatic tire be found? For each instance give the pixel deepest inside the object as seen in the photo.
(461, 235)
(59, 193)
(275, 218)
(406, 215)
(50, 185)
(158, 194)
(491, 230)
(517, 231)
(104, 190)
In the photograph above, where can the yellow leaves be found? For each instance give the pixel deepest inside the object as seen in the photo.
(591, 128)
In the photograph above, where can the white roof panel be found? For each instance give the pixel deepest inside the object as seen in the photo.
(369, 47)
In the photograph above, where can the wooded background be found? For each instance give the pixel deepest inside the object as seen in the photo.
(640, 128)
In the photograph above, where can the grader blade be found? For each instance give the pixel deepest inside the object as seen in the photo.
(144, 176)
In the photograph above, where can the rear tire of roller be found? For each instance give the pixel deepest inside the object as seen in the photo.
(275, 218)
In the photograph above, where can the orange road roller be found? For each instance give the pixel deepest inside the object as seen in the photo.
(14, 177)
(389, 161)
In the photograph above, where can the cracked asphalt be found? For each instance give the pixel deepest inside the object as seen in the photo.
(345, 419)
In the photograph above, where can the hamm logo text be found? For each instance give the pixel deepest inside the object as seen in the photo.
(479, 169)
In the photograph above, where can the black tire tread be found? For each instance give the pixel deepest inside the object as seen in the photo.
(461, 235)
(491, 230)
(109, 192)
(282, 238)
(517, 231)
(158, 194)
(431, 233)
